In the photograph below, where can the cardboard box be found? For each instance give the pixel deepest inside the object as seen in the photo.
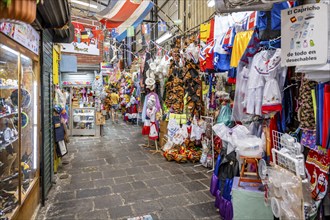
(163, 126)
(100, 119)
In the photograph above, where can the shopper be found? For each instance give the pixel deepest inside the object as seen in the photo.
(114, 97)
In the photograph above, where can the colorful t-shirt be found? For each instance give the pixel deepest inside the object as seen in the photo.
(114, 97)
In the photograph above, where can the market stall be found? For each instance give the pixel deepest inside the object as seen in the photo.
(245, 95)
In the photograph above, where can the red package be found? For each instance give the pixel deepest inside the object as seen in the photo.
(317, 168)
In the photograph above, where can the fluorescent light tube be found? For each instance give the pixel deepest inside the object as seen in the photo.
(210, 3)
(35, 125)
(164, 37)
(9, 50)
(84, 3)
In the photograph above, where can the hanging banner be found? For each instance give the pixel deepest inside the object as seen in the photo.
(83, 48)
(304, 35)
(106, 68)
(23, 34)
(85, 41)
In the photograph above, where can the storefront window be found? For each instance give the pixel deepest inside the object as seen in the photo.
(28, 124)
(9, 147)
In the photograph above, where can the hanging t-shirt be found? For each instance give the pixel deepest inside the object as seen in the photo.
(221, 25)
(221, 58)
(275, 15)
(241, 42)
(205, 31)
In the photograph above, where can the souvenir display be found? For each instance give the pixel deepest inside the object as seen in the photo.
(222, 96)
(18, 146)
(26, 98)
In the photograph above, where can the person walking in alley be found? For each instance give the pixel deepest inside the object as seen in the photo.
(114, 97)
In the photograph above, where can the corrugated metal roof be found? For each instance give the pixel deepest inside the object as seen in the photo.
(56, 15)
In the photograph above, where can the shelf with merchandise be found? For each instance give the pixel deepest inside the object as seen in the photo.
(3, 146)
(8, 87)
(8, 114)
(84, 114)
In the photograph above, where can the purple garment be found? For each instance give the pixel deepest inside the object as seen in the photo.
(214, 184)
(158, 106)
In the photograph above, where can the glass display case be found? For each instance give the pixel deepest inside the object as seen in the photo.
(19, 162)
(83, 121)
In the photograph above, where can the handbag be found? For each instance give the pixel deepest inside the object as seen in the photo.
(61, 149)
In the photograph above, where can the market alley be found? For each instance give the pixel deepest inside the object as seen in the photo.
(115, 177)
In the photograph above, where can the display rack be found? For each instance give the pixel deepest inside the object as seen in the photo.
(283, 159)
(83, 121)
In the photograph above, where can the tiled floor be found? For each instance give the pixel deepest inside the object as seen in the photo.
(115, 177)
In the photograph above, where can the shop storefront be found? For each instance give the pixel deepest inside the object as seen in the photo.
(20, 120)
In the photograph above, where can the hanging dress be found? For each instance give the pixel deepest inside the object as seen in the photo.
(153, 132)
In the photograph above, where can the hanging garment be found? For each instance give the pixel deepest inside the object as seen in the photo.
(153, 132)
(326, 115)
(59, 129)
(255, 84)
(225, 115)
(240, 100)
(144, 110)
(222, 24)
(252, 48)
(306, 105)
(319, 91)
(272, 100)
(241, 42)
(205, 31)
(221, 58)
(275, 15)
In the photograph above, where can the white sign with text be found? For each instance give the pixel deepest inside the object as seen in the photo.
(304, 35)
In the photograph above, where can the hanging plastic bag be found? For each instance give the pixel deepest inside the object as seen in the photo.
(172, 128)
(225, 115)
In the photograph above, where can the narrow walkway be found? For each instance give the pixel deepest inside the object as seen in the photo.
(114, 177)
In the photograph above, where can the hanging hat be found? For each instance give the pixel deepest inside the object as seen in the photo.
(152, 66)
(150, 82)
(58, 109)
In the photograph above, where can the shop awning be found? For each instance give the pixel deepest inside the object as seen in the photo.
(123, 14)
(56, 15)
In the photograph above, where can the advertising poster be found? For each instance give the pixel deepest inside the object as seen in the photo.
(304, 35)
(23, 34)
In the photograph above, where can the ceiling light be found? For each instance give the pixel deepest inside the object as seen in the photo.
(210, 3)
(84, 3)
(164, 37)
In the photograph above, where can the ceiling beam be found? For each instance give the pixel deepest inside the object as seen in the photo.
(101, 3)
(164, 4)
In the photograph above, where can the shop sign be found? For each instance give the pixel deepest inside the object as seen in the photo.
(23, 34)
(82, 48)
(106, 67)
(304, 35)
